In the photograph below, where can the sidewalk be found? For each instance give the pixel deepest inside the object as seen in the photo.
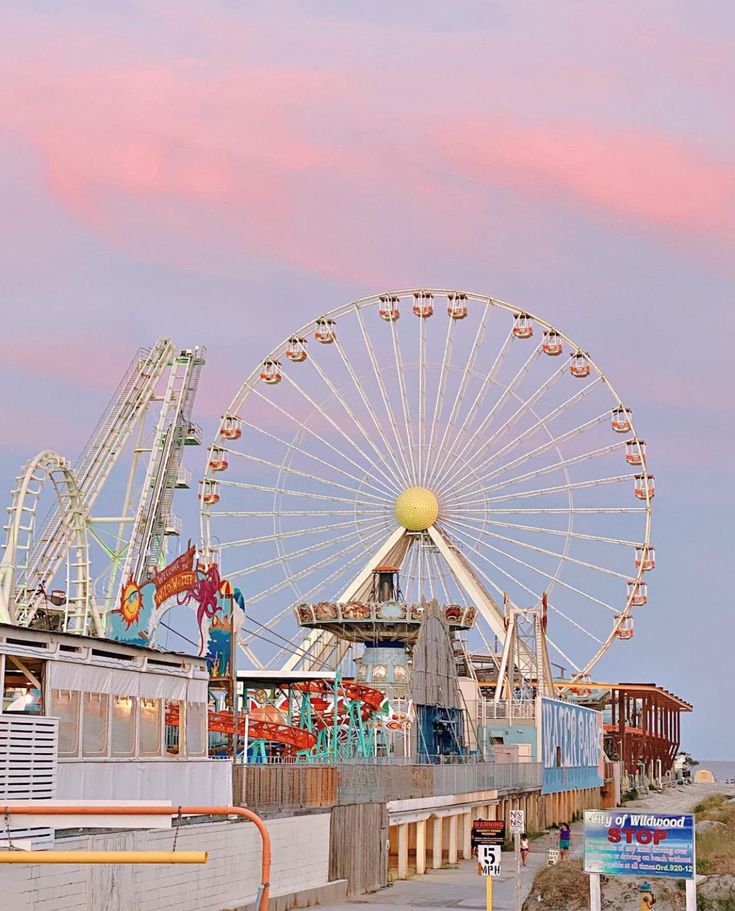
(460, 887)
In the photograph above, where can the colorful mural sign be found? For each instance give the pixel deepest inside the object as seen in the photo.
(571, 747)
(183, 582)
(619, 843)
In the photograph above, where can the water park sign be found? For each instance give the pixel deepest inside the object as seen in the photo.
(571, 747)
(618, 843)
(182, 583)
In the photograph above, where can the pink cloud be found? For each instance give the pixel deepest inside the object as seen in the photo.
(79, 361)
(649, 178)
(194, 156)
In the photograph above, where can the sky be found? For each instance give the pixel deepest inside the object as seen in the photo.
(194, 168)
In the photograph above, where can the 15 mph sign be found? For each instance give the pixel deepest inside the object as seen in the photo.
(489, 858)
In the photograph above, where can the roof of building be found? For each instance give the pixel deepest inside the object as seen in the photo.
(636, 688)
(66, 642)
(267, 679)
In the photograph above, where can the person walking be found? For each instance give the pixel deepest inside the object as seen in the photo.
(524, 848)
(565, 840)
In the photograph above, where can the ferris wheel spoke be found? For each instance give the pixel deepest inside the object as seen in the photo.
(554, 579)
(388, 449)
(561, 488)
(298, 533)
(312, 548)
(409, 562)
(302, 474)
(553, 443)
(560, 510)
(441, 389)
(400, 448)
(562, 533)
(286, 492)
(318, 587)
(541, 423)
(340, 430)
(455, 468)
(429, 574)
(373, 538)
(404, 398)
(422, 397)
(468, 371)
(539, 472)
(249, 653)
(542, 550)
(391, 477)
(382, 491)
(534, 594)
(537, 598)
(311, 432)
(440, 575)
(268, 514)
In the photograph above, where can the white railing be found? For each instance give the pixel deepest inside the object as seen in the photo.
(506, 711)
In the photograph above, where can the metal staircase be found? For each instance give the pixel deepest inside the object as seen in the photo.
(153, 514)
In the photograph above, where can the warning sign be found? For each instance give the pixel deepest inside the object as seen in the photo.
(488, 832)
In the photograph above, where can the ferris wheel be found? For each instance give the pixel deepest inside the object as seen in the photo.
(470, 443)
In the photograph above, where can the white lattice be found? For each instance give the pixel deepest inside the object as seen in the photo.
(28, 751)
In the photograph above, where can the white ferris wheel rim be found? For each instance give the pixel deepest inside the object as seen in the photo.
(461, 530)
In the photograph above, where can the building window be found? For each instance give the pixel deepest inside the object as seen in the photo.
(94, 724)
(65, 707)
(174, 722)
(122, 734)
(150, 727)
(196, 728)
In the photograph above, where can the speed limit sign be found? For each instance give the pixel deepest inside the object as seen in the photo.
(489, 857)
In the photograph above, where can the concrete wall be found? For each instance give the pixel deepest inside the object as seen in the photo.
(229, 880)
(185, 782)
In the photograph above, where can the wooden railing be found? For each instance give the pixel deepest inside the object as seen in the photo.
(296, 786)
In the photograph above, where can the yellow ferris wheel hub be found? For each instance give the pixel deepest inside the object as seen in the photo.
(416, 509)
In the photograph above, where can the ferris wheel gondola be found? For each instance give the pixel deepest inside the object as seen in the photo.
(463, 450)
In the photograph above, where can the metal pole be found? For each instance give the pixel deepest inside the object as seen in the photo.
(488, 893)
(691, 895)
(595, 895)
(233, 680)
(517, 893)
(103, 857)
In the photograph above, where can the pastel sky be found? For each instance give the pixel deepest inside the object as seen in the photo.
(192, 167)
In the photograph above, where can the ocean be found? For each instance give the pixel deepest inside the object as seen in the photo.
(722, 769)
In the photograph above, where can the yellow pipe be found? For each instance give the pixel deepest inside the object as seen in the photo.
(103, 857)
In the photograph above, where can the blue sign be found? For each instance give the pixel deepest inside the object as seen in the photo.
(619, 843)
(571, 747)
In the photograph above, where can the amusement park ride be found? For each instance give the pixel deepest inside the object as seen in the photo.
(65, 571)
(472, 447)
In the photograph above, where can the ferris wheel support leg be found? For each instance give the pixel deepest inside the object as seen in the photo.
(484, 602)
